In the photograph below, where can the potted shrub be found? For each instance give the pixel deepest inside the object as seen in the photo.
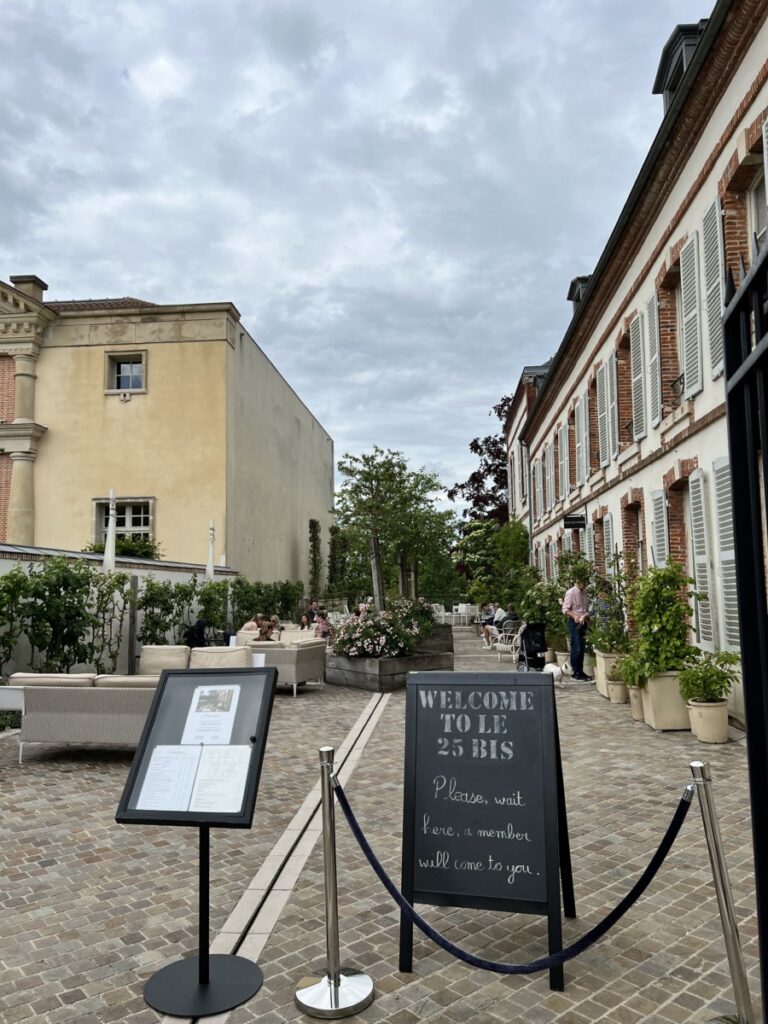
(632, 672)
(608, 626)
(705, 684)
(659, 603)
(540, 605)
(617, 688)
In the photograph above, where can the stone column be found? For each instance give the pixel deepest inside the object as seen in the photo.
(24, 395)
(21, 507)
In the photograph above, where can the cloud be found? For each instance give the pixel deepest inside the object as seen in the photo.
(395, 196)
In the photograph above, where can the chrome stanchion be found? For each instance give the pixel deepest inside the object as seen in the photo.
(703, 778)
(341, 992)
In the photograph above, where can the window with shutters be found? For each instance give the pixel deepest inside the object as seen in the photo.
(578, 418)
(726, 549)
(522, 462)
(659, 531)
(589, 542)
(654, 359)
(571, 436)
(540, 488)
(550, 454)
(611, 376)
(712, 255)
(704, 606)
(602, 417)
(758, 214)
(563, 443)
(690, 309)
(637, 362)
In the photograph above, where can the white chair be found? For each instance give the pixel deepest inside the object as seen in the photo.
(509, 641)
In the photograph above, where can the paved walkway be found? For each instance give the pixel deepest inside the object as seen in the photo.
(90, 909)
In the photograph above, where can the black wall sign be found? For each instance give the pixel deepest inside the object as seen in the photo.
(484, 822)
(575, 522)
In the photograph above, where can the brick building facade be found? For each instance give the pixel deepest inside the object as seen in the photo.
(628, 428)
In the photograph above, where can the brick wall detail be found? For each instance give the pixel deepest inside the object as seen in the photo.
(6, 466)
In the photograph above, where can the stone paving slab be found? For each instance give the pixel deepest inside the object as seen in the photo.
(90, 909)
(664, 962)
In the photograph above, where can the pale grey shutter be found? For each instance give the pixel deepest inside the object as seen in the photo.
(511, 481)
(654, 359)
(613, 405)
(568, 541)
(585, 452)
(724, 520)
(579, 430)
(712, 245)
(561, 487)
(659, 528)
(589, 545)
(765, 156)
(637, 357)
(540, 488)
(602, 417)
(689, 284)
(608, 543)
(706, 621)
(550, 475)
(566, 442)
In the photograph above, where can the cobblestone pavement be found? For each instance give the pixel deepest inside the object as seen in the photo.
(91, 909)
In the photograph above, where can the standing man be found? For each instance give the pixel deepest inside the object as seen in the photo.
(313, 610)
(576, 610)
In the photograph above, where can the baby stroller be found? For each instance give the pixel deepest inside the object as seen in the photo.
(533, 647)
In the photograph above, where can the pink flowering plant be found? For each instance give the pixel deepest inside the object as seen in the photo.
(376, 635)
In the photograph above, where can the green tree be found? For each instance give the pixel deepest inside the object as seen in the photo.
(13, 589)
(315, 557)
(110, 596)
(57, 619)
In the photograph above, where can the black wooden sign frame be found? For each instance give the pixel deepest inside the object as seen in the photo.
(557, 857)
(252, 719)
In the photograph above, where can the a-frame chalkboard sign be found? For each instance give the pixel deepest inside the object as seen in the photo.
(484, 820)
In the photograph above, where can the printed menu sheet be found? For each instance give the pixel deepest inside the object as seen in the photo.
(208, 779)
(211, 714)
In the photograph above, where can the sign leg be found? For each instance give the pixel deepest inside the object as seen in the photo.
(563, 841)
(406, 945)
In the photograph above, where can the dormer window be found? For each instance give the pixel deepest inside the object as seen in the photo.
(675, 58)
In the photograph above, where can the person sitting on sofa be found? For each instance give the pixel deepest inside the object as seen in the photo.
(254, 624)
(305, 622)
(266, 630)
(276, 627)
(323, 627)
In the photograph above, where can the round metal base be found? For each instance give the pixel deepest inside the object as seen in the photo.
(318, 998)
(176, 989)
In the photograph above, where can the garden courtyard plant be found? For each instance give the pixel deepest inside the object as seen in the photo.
(705, 684)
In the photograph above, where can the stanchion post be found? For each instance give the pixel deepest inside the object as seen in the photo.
(703, 778)
(340, 992)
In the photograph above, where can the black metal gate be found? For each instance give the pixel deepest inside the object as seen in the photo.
(746, 376)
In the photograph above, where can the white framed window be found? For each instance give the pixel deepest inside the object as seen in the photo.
(134, 518)
(125, 372)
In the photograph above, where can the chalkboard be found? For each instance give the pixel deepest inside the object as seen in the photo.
(484, 812)
(199, 758)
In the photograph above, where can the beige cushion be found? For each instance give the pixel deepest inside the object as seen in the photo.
(142, 682)
(294, 636)
(308, 641)
(220, 657)
(265, 645)
(52, 679)
(154, 658)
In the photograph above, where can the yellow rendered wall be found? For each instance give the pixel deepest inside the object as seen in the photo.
(168, 444)
(280, 470)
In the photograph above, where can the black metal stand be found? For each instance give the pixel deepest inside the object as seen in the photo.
(203, 985)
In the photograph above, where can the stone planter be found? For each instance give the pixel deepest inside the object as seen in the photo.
(550, 658)
(603, 663)
(636, 703)
(663, 707)
(382, 674)
(709, 720)
(618, 692)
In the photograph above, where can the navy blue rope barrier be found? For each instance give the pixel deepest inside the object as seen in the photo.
(546, 962)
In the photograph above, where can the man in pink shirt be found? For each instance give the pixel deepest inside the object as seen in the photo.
(576, 609)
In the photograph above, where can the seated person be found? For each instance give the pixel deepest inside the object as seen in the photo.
(323, 627)
(494, 631)
(276, 627)
(265, 630)
(305, 623)
(253, 625)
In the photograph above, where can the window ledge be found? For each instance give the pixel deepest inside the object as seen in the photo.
(596, 478)
(681, 416)
(125, 391)
(632, 451)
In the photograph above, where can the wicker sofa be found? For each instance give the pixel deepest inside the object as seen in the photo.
(298, 657)
(108, 710)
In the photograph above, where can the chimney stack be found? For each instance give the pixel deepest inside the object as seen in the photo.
(30, 285)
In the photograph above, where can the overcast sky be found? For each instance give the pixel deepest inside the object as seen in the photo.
(394, 193)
